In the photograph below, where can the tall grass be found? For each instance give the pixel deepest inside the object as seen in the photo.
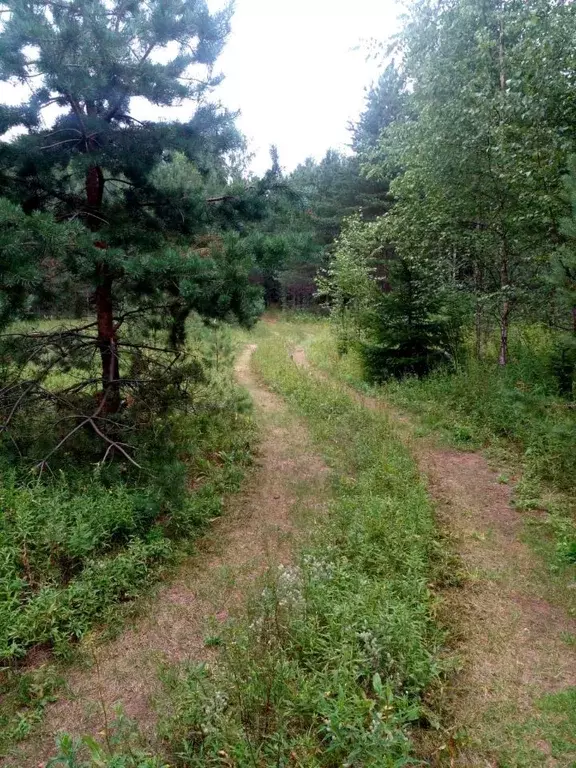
(78, 543)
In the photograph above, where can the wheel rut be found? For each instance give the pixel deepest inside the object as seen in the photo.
(257, 531)
(509, 637)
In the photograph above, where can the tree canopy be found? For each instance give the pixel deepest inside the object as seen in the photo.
(476, 154)
(142, 217)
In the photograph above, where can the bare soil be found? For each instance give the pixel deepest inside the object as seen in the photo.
(508, 636)
(257, 532)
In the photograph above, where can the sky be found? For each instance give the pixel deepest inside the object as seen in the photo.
(298, 69)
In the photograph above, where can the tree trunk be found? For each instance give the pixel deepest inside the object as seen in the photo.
(179, 312)
(478, 312)
(506, 307)
(478, 327)
(107, 341)
(103, 299)
(504, 325)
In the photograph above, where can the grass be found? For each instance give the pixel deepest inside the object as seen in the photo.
(546, 738)
(471, 410)
(121, 749)
(339, 657)
(78, 546)
(336, 659)
(516, 415)
(332, 664)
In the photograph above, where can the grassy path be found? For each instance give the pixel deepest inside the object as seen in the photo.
(400, 629)
(513, 701)
(209, 589)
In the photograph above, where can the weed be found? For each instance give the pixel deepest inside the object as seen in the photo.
(24, 699)
(120, 750)
(329, 667)
(78, 544)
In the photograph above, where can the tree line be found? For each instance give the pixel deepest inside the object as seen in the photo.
(477, 149)
(455, 207)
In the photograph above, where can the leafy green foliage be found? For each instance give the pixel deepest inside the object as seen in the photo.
(348, 285)
(30, 249)
(397, 311)
(480, 160)
(79, 542)
(333, 189)
(416, 324)
(285, 253)
(386, 103)
(563, 280)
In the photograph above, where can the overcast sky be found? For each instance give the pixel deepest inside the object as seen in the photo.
(292, 70)
(296, 69)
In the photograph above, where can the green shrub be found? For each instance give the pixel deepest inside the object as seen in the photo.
(563, 364)
(415, 326)
(84, 537)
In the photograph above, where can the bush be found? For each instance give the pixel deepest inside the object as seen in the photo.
(416, 326)
(82, 537)
(563, 365)
(397, 312)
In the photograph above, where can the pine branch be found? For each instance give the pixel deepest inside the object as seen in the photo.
(121, 181)
(78, 112)
(221, 198)
(112, 112)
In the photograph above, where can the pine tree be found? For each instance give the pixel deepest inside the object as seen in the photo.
(396, 312)
(334, 189)
(386, 102)
(97, 169)
(415, 326)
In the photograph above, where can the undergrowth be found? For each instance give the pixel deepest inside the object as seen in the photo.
(339, 658)
(81, 542)
(120, 748)
(518, 413)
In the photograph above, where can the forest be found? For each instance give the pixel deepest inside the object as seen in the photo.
(287, 459)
